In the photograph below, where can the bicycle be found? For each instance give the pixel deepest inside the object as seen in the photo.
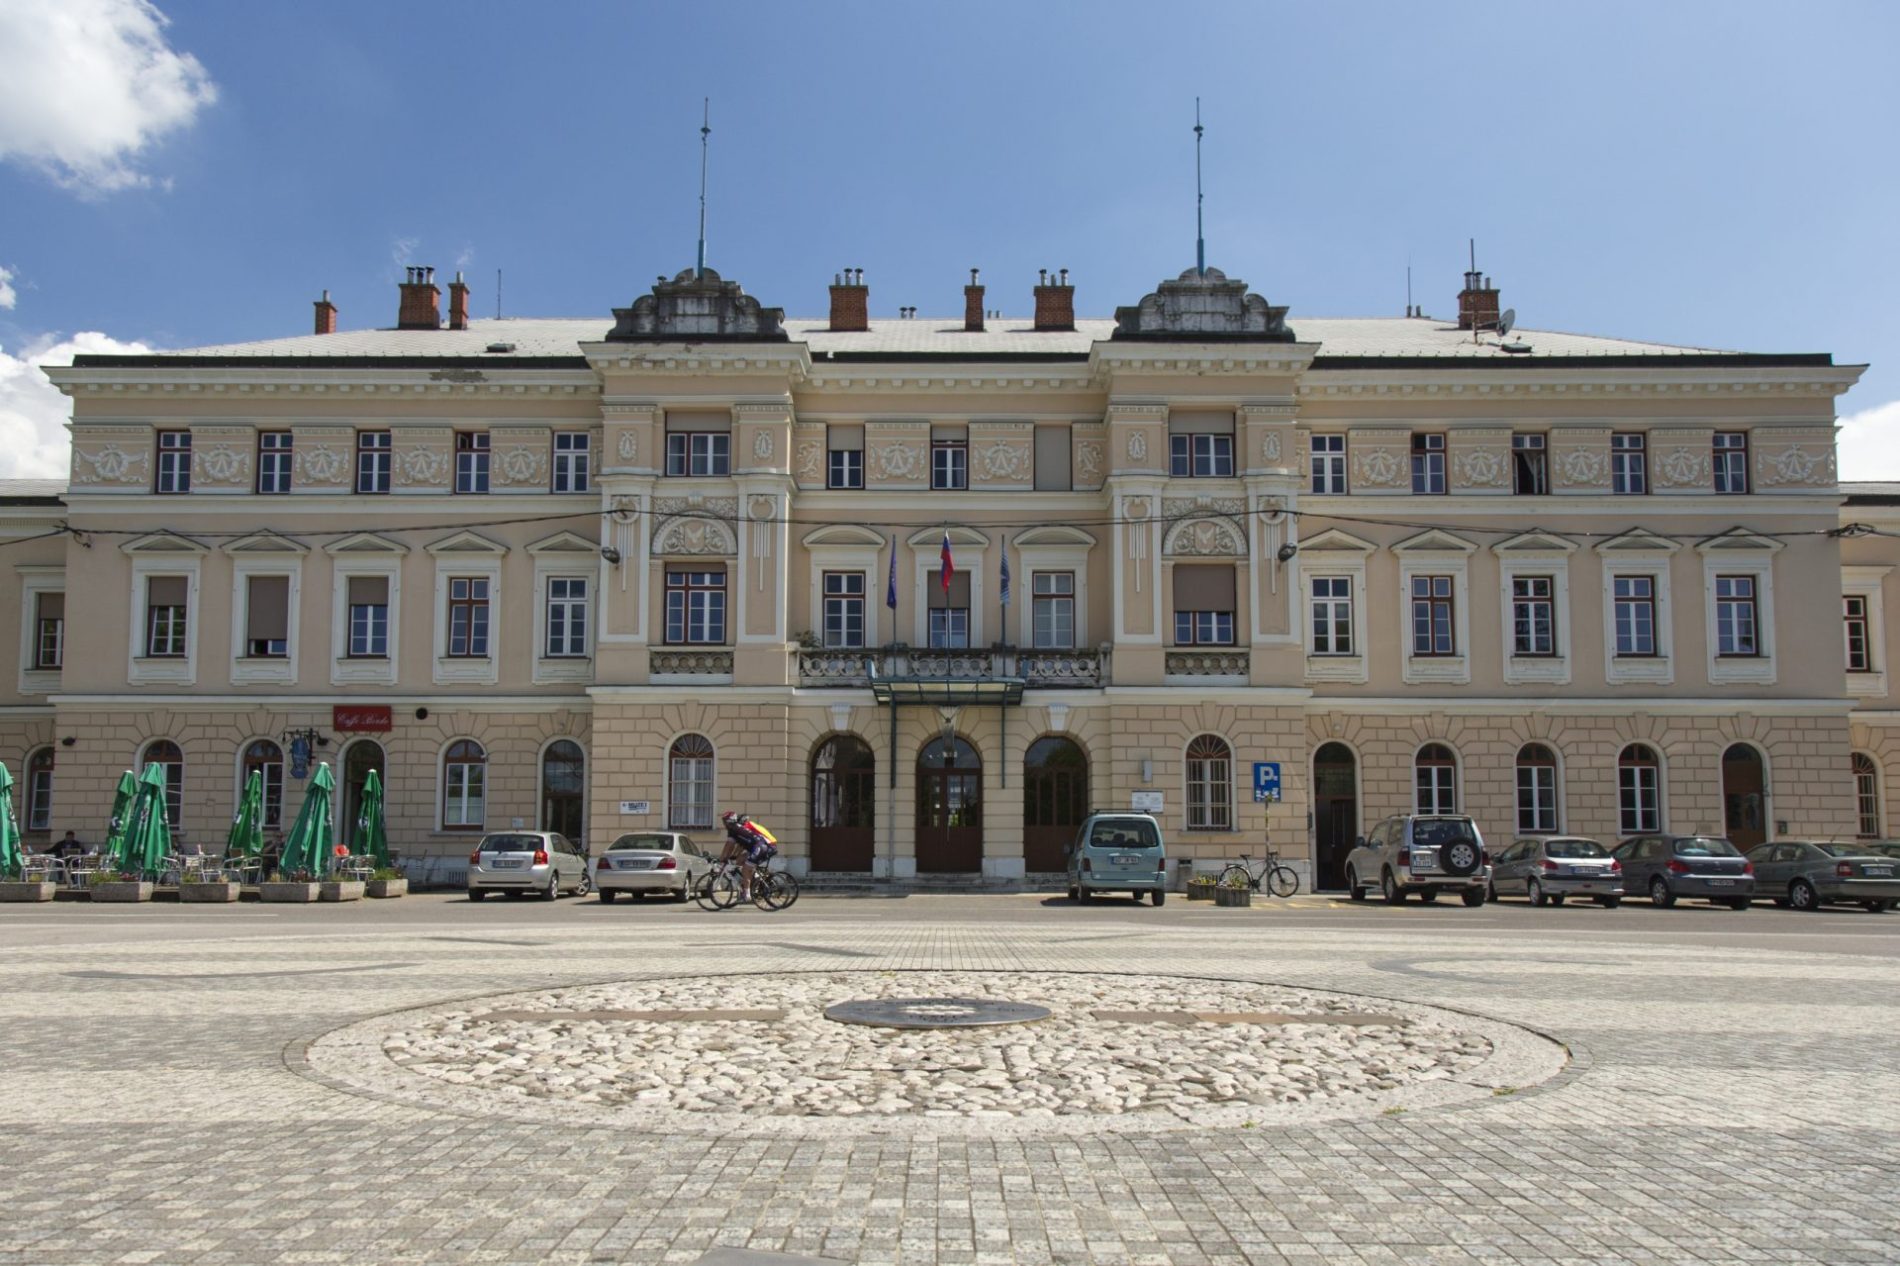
(1281, 879)
(721, 887)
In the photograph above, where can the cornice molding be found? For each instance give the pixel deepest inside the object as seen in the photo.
(1568, 382)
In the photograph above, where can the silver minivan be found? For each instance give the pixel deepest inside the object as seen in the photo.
(1118, 852)
(546, 863)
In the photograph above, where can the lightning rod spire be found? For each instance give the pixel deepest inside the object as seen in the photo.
(705, 132)
(1200, 241)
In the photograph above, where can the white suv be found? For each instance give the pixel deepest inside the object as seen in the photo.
(1426, 854)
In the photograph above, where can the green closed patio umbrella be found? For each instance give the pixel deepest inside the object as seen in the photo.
(148, 841)
(121, 823)
(10, 854)
(247, 828)
(371, 839)
(309, 841)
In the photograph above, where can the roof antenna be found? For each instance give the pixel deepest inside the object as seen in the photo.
(1200, 242)
(1408, 287)
(705, 131)
(498, 294)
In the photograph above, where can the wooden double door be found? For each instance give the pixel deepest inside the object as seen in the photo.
(949, 809)
(1055, 802)
(843, 805)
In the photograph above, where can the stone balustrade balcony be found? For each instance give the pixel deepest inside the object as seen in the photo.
(1036, 669)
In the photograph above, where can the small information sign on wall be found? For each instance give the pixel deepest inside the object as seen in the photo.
(635, 808)
(1146, 801)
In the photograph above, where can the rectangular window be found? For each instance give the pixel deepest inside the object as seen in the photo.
(1635, 600)
(1432, 617)
(174, 462)
(1860, 653)
(844, 608)
(567, 617)
(1428, 464)
(1204, 604)
(49, 631)
(468, 617)
(695, 608)
(1332, 615)
(1639, 803)
(1731, 461)
(949, 464)
(267, 617)
(571, 454)
(950, 612)
(1530, 473)
(1201, 456)
(1735, 627)
(471, 461)
(1533, 616)
(845, 468)
(1203, 628)
(165, 599)
(1537, 798)
(1328, 463)
(1629, 463)
(697, 454)
(1052, 613)
(39, 795)
(369, 617)
(372, 461)
(273, 461)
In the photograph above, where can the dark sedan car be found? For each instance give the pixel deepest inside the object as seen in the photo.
(1806, 875)
(1667, 867)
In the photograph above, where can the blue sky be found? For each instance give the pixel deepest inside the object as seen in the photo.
(1719, 174)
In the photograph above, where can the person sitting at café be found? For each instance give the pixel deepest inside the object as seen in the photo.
(68, 847)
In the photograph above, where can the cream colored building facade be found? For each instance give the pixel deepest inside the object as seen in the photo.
(612, 575)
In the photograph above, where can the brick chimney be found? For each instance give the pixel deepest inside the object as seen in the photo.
(421, 301)
(458, 303)
(1055, 302)
(1477, 303)
(973, 305)
(850, 301)
(326, 315)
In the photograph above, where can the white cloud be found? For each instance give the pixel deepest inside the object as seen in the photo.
(7, 296)
(87, 85)
(1870, 443)
(34, 443)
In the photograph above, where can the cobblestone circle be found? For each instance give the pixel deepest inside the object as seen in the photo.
(1118, 1052)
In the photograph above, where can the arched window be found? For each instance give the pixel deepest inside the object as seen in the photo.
(1537, 789)
(266, 759)
(1435, 771)
(689, 783)
(39, 790)
(1866, 796)
(563, 788)
(1210, 784)
(165, 753)
(464, 786)
(1638, 790)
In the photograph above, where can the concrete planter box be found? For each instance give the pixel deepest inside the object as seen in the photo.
(286, 890)
(387, 888)
(1233, 896)
(219, 890)
(1200, 892)
(122, 890)
(34, 890)
(341, 890)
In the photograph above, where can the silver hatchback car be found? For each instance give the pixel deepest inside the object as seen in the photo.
(1549, 868)
(519, 862)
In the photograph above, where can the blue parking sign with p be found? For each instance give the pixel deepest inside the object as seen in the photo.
(1266, 780)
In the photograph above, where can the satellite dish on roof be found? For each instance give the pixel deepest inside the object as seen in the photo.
(1507, 321)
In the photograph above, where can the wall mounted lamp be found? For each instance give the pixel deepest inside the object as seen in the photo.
(1287, 552)
(611, 554)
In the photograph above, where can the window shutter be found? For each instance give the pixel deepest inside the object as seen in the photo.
(1204, 587)
(1200, 422)
(958, 597)
(267, 617)
(52, 606)
(369, 591)
(166, 591)
(1052, 459)
(845, 439)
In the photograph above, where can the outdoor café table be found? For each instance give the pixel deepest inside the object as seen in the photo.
(78, 868)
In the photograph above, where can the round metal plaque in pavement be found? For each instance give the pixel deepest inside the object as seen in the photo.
(934, 1013)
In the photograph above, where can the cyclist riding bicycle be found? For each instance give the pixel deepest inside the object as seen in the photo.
(747, 845)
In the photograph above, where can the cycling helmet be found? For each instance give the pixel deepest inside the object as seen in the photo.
(729, 817)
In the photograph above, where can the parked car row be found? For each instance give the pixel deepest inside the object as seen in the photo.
(548, 864)
(1430, 854)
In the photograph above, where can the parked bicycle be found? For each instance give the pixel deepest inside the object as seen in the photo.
(1281, 879)
(722, 887)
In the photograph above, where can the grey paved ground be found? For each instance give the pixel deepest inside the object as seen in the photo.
(1732, 1099)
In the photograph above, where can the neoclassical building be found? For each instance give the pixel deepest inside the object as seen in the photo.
(599, 575)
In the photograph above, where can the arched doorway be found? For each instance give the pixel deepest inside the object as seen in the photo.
(1335, 811)
(949, 808)
(843, 804)
(564, 789)
(1055, 801)
(358, 759)
(1744, 797)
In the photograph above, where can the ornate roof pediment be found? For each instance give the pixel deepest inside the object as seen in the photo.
(1334, 539)
(1535, 543)
(696, 306)
(1434, 541)
(164, 543)
(564, 543)
(265, 542)
(365, 543)
(466, 543)
(1739, 539)
(1637, 539)
(1202, 306)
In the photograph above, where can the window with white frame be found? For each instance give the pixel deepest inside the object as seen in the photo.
(689, 783)
(1858, 629)
(1201, 456)
(1863, 629)
(1053, 618)
(39, 790)
(471, 462)
(843, 609)
(373, 454)
(49, 630)
(171, 762)
(1428, 464)
(567, 618)
(1205, 603)
(1635, 615)
(695, 608)
(1739, 607)
(1210, 784)
(1530, 468)
(464, 786)
(468, 617)
(697, 454)
(949, 612)
(1629, 463)
(368, 599)
(844, 468)
(1866, 796)
(265, 759)
(572, 451)
(1731, 461)
(1332, 615)
(166, 622)
(174, 462)
(1537, 789)
(1328, 460)
(1638, 791)
(273, 461)
(1736, 622)
(949, 464)
(1435, 779)
(1533, 616)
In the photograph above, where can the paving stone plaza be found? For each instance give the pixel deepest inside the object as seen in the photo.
(431, 1081)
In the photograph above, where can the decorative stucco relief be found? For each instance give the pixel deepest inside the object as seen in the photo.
(225, 465)
(320, 465)
(762, 446)
(1480, 468)
(1584, 466)
(811, 461)
(423, 466)
(109, 465)
(629, 446)
(898, 460)
(1794, 465)
(1270, 446)
(1203, 538)
(1088, 460)
(1138, 446)
(1004, 461)
(1181, 507)
(1683, 467)
(522, 465)
(1377, 468)
(694, 536)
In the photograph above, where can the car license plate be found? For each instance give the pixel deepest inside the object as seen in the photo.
(1125, 859)
(1720, 883)
(506, 863)
(1877, 872)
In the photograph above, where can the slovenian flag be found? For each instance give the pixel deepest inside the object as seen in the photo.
(949, 564)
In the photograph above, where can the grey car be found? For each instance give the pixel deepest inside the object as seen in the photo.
(1805, 875)
(1549, 868)
(650, 861)
(1669, 867)
(545, 863)
(1423, 853)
